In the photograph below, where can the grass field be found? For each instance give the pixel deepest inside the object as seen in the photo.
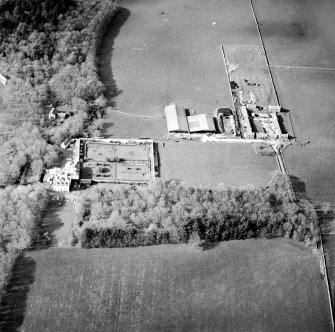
(208, 164)
(157, 52)
(252, 285)
(294, 35)
(309, 96)
(301, 34)
(297, 33)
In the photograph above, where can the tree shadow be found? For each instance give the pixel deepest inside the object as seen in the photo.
(326, 219)
(210, 245)
(14, 299)
(299, 188)
(50, 223)
(105, 53)
(157, 164)
(107, 125)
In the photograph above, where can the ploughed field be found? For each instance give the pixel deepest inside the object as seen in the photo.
(251, 285)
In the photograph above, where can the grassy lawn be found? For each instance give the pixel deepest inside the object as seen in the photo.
(252, 285)
(209, 164)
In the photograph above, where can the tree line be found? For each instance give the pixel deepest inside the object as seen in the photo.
(168, 212)
(48, 49)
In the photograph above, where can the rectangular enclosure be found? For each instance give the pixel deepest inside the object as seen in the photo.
(117, 161)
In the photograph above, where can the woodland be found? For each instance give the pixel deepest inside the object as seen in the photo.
(48, 52)
(168, 212)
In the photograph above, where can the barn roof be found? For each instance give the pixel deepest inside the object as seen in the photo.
(201, 122)
(176, 118)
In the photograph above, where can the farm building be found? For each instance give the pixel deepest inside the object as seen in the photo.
(176, 119)
(266, 124)
(225, 121)
(247, 131)
(66, 142)
(201, 123)
(54, 114)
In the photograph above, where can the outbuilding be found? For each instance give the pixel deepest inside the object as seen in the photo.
(176, 119)
(4, 79)
(201, 123)
(53, 114)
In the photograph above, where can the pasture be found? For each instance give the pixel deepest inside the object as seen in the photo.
(309, 96)
(251, 285)
(300, 44)
(295, 35)
(211, 164)
(158, 52)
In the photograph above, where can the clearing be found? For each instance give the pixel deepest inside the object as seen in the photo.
(251, 285)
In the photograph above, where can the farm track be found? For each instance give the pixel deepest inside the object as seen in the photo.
(138, 115)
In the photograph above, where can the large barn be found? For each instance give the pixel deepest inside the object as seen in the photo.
(176, 119)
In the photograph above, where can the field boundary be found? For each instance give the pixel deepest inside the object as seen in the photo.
(264, 49)
(297, 67)
(327, 280)
(227, 74)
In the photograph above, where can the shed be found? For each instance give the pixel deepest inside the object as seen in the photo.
(66, 143)
(3, 79)
(176, 118)
(201, 123)
(53, 113)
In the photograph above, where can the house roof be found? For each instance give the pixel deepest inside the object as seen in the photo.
(176, 118)
(201, 122)
(53, 112)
